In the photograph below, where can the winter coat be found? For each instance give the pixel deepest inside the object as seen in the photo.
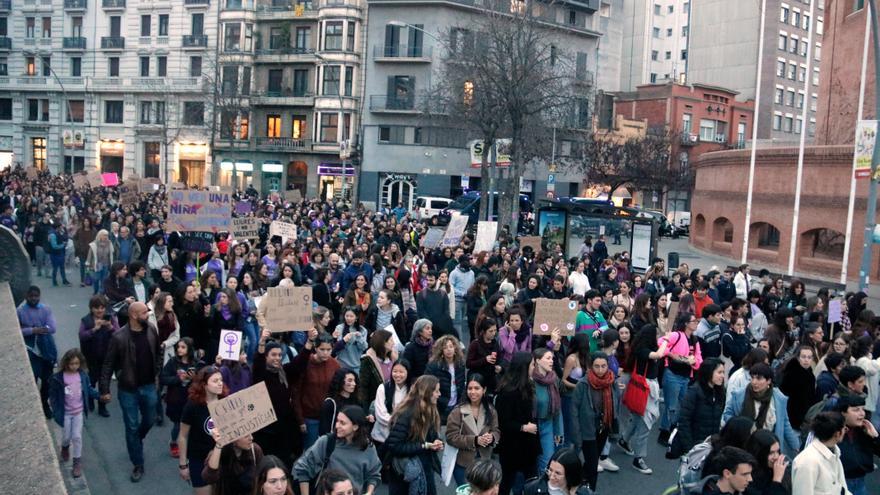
(397, 321)
(799, 385)
(584, 414)
(440, 369)
(122, 359)
(418, 356)
(789, 440)
(349, 353)
(459, 434)
(476, 362)
(56, 395)
(518, 448)
(400, 445)
(434, 305)
(699, 416)
(94, 345)
(92, 259)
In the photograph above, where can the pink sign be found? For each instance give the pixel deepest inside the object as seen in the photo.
(110, 179)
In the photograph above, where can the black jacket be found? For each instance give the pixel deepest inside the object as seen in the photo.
(539, 487)
(799, 385)
(826, 384)
(122, 359)
(857, 451)
(699, 417)
(517, 449)
(441, 371)
(397, 321)
(418, 356)
(476, 362)
(434, 305)
(735, 346)
(399, 444)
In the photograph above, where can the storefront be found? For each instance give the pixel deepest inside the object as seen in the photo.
(6, 155)
(396, 189)
(236, 175)
(191, 163)
(298, 176)
(333, 179)
(112, 156)
(272, 170)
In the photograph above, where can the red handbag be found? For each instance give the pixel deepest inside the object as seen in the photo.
(635, 397)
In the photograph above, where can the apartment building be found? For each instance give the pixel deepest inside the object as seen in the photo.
(289, 85)
(655, 42)
(405, 154)
(113, 85)
(724, 51)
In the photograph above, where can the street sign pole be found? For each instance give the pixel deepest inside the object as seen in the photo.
(494, 161)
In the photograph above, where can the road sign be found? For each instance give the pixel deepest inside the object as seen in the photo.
(551, 178)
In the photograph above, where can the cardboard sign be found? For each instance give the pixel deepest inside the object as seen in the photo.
(452, 237)
(178, 185)
(245, 228)
(672, 311)
(433, 237)
(243, 207)
(294, 196)
(199, 211)
(96, 179)
(486, 232)
(31, 173)
(230, 344)
(109, 179)
(835, 311)
(284, 230)
(80, 180)
(555, 313)
(288, 309)
(533, 240)
(242, 413)
(129, 192)
(198, 242)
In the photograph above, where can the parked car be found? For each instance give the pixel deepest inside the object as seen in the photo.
(430, 206)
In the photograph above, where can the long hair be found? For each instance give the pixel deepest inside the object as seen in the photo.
(484, 402)
(361, 436)
(69, 356)
(269, 463)
(159, 305)
(326, 481)
(338, 382)
(645, 339)
(440, 344)
(516, 378)
(198, 392)
(641, 308)
(419, 404)
(232, 298)
(580, 347)
(758, 445)
(377, 342)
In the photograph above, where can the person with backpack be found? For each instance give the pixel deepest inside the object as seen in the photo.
(347, 449)
(683, 357)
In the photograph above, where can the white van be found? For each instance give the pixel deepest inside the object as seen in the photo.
(429, 206)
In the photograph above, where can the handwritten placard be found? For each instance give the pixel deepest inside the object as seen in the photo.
(96, 179)
(197, 242)
(284, 230)
(230, 344)
(80, 181)
(433, 237)
(242, 413)
(203, 211)
(294, 195)
(243, 207)
(486, 232)
(31, 173)
(245, 228)
(452, 237)
(533, 241)
(288, 309)
(835, 311)
(555, 313)
(128, 192)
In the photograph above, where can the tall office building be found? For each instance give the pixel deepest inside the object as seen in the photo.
(724, 42)
(655, 42)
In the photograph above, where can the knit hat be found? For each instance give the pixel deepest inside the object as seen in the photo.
(420, 325)
(355, 414)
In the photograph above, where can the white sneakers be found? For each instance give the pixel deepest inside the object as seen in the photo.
(608, 465)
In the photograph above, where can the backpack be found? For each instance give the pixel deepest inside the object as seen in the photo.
(690, 470)
(328, 451)
(825, 404)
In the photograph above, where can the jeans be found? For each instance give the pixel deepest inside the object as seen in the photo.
(41, 260)
(674, 388)
(461, 317)
(312, 426)
(58, 266)
(98, 279)
(548, 445)
(72, 436)
(857, 486)
(139, 414)
(568, 426)
(458, 474)
(636, 435)
(251, 338)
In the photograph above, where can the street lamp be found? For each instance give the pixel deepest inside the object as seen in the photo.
(871, 214)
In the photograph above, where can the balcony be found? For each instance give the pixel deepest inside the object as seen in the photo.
(285, 55)
(286, 11)
(410, 104)
(196, 3)
(74, 4)
(5, 43)
(195, 41)
(74, 43)
(112, 43)
(5, 5)
(285, 97)
(688, 139)
(113, 4)
(402, 53)
(283, 144)
(584, 78)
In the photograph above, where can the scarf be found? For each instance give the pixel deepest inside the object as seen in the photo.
(603, 384)
(161, 250)
(423, 342)
(548, 380)
(748, 409)
(521, 336)
(282, 376)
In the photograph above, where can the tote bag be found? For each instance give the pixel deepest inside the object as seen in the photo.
(635, 397)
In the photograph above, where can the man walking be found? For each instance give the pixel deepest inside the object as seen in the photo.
(135, 358)
(38, 329)
(817, 469)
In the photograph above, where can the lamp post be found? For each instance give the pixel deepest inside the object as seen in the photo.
(871, 214)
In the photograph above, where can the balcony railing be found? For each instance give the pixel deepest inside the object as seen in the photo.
(113, 4)
(196, 3)
(283, 144)
(5, 43)
(688, 139)
(287, 50)
(74, 4)
(402, 51)
(113, 42)
(195, 41)
(74, 42)
(404, 104)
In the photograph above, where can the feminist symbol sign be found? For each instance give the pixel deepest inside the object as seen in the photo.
(231, 341)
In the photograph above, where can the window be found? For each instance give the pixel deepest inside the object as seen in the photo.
(686, 123)
(667, 55)
(349, 81)
(655, 32)
(787, 124)
(778, 96)
(384, 134)
(814, 102)
(275, 80)
(330, 84)
(76, 26)
(232, 37)
(654, 55)
(4, 67)
(159, 114)
(792, 71)
(303, 39)
(798, 125)
(780, 68)
(145, 67)
(5, 108)
(275, 38)
(789, 98)
(248, 37)
(741, 132)
(47, 27)
(684, 55)
(38, 148)
(244, 125)
(161, 66)
(818, 54)
(333, 35)
(4, 28)
(804, 47)
(820, 26)
(815, 76)
(783, 15)
(656, 9)
(151, 159)
(195, 66)
(802, 74)
(669, 32)
(193, 113)
(349, 35)
(163, 24)
(653, 78)
(273, 126)
(33, 109)
(46, 62)
(553, 55)
(113, 112)
(670, 9)
(146, 25)
(197, 25)
(146, 112)
(115, 25)
(684, 31)
(298, 127)
(793, 46)
(30, 66)
(245, 80)
(300, 82)
(417, 135)
(29, 27)
(572, 18)
(113, 66)
(401, 92)
(229, 81)
(329, 127)
(796, 19)
(806, 24)
(800, 100)
(783, 42)
(76, 110)
(75, 66)
(707, 130)
(777, 122)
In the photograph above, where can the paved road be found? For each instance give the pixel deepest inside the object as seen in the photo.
(106, 461)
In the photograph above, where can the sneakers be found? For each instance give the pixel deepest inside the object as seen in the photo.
(641, 466)
(77, 467)
(663, 439)
(608, 465)
(625, 447)
(137, 473)
(600, 469)
(102, 410)
(175, 450)
(65, 453)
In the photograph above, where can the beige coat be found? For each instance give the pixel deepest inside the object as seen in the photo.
(460, 434)
(817, 471)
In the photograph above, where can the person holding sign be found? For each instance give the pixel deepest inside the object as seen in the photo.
(312, 385)
(196, 440)
(231, 469)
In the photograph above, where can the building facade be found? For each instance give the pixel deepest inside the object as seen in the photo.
(113, 85)
(405, 154)
(723, 51)
(655, 42)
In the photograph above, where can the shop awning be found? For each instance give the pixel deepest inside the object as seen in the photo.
(272, 166)
(244, 166)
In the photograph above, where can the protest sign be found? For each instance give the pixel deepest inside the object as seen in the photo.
(230, 344)
(486, 232)
(534, 241)
(284, 230)
(287, 309)
(31, 172)
(242, 413)
(294, 195)
(128, 192)
(834, 311)
(80, 180)
(243, 207)
(245, 228)
(198, 242)
(454, 231)
(199, 211)
(96, 179)
(147, 184)
(178, 185)
(433, 237)
(555, 313)
(672, 312)
(109, 179)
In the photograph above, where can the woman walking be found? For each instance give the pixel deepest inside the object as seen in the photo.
(472, 427)
(520, 445)
(413, 442)
(195, 441)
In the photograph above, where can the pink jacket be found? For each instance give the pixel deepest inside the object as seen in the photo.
(677, 343)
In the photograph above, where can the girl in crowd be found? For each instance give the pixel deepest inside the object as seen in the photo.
(388, 396)
(101, 256)
(231, 469)
(484, 353)
(95, 331)
(237, 374)
(770, 474)
(310, 389)
(272, 477)
(351, 340)
(333, 482)
(701, 408)
(576, 364)
(642, 314)
(548, 404)
(384, 314)
(447, 364)
(194, 441)
(418, 350)
(799, 384)
(165, 321)
(343, 392)
(413, 442)
(516, 403)
(175, 377)
(209, 284)
(376, 365)
(618, 315)
(70, 392)
(593, 416)
(562, 476)
(225, 315)
(472, 427)
(359, 297)
(515, 336)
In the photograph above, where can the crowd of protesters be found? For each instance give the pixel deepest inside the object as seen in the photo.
(423, 366)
